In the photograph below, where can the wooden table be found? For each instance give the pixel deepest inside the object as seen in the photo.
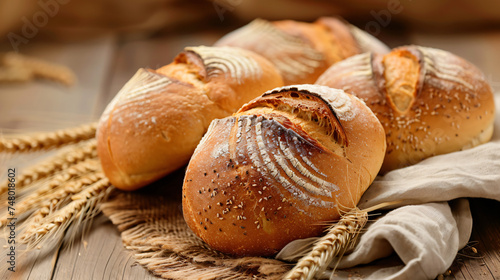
(104, 64)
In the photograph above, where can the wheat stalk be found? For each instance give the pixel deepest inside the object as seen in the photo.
(45, 141)
(59, 187)
(339, 238)
(34, 67)
(59, 162)
(15, 75)
(83, 207)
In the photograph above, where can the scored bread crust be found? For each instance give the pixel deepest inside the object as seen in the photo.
(302, 51)
(280, 168)
(154, 123)
(429, 101)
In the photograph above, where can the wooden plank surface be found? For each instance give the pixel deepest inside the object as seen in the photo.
(100, 255)
(44, 105)
(103, 65)
(481, 258)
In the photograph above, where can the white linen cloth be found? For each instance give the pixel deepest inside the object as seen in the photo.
(431, 224)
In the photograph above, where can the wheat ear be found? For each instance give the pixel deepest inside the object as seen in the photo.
(57, 163)
(39, 68)
(339, 238)
(45, 141)
(59, 189)
(85, 206)
(15, 75)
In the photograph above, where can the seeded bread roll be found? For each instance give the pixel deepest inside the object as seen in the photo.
(154, 123)
(429, 101)
(303, 51)
(280, 168)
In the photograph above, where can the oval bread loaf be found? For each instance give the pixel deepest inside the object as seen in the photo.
(154, 123)
(280, 168)
(303, 51)
(429, 101)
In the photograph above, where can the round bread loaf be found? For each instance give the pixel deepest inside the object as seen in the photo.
(154, 123)
(303, 51)
(429, 101)
(280, 168)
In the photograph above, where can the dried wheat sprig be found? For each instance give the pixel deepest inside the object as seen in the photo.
(45, 141)
(339, 238)
(59, 188)
(57, 199)
(60, 161)
(85, 206)
(39, 68)
(58, 180)
(15, 75)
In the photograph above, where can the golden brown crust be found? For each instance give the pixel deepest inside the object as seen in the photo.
(155, 122)
(342, 37)
(261, 178)
(300, 50)
(429, 101)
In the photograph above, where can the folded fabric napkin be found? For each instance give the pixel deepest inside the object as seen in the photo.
(431, 220)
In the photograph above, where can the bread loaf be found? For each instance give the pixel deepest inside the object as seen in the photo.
(429, 101)
(302, 51)
(280, 168)
(154, 123)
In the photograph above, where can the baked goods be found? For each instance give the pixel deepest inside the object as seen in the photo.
(154, 123)
(429, 101)
(300, 50)
(279, 168)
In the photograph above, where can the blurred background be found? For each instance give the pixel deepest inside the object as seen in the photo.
(79, 19)
(105, 42)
